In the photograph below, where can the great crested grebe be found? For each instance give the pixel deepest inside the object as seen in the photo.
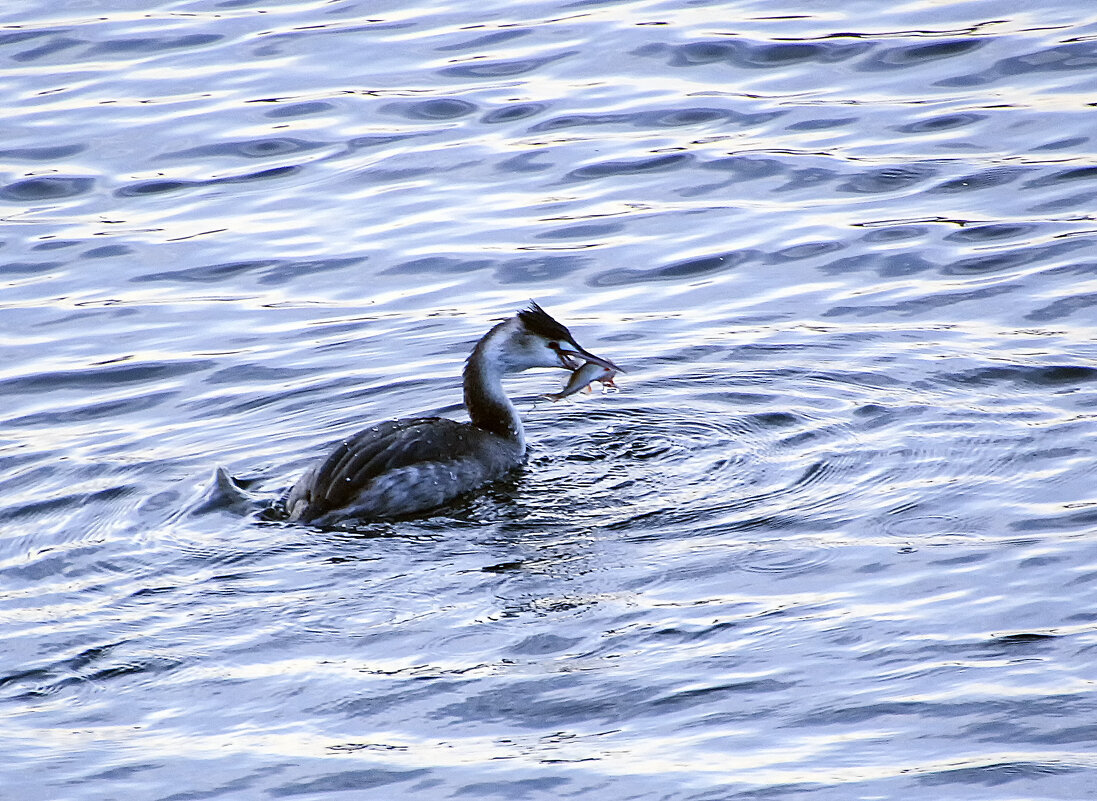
(403, 467)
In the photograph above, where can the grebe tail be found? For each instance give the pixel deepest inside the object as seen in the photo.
(408, 466)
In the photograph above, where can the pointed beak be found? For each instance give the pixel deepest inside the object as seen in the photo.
(584, 356)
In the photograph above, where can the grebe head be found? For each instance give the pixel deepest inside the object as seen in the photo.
(535, 339)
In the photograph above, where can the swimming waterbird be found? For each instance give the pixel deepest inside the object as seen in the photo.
(404, 467)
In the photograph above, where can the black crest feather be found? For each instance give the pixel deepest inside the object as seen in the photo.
(541, 322)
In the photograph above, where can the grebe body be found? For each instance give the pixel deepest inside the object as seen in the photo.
(409, 466)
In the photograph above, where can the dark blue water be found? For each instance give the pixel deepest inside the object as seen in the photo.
(834, 539)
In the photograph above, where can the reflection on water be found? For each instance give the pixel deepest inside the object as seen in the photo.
(829, 541)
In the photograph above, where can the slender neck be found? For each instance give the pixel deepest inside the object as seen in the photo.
(488, 406)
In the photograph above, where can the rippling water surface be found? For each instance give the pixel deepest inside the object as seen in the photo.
(832, 540)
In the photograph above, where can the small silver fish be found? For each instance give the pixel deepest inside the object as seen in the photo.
(582, 377)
